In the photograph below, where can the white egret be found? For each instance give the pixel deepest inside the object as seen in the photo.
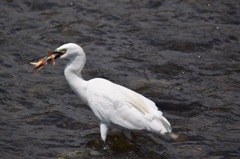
(114, 105)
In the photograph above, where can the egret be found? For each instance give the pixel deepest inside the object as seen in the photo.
(113, 104)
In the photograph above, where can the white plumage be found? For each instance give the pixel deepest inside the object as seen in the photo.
(114, 105)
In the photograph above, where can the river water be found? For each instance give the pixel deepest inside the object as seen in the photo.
(182, 54)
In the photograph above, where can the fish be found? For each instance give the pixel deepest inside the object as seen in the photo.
(42, 61)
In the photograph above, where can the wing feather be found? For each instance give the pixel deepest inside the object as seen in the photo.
(123, 107)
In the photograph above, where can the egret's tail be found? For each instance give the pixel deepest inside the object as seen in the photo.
(166, 124)
(159, 125)
(168, 127)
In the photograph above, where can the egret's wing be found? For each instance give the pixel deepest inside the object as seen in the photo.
(121, 106)
(146, 106)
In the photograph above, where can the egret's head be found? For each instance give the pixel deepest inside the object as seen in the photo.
(69, 50)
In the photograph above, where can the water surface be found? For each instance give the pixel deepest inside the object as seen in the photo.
(184, 55)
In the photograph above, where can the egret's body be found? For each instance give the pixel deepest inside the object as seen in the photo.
(114, 105)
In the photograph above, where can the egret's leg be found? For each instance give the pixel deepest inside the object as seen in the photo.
(127, 133)
(103, 130)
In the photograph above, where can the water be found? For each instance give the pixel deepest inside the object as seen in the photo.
(184, 55)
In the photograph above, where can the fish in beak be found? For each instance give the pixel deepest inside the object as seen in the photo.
(42, 61)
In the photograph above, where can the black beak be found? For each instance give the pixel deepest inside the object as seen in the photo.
(58, 54)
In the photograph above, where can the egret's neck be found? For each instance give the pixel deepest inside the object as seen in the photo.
(73, 75)
(75, 66)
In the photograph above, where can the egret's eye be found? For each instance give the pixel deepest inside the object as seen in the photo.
(63, 51)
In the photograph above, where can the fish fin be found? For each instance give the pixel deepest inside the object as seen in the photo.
(37, 69)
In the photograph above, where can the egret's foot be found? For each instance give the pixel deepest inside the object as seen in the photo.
(106, 147)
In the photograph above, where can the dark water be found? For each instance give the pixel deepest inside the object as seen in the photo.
(184, 55)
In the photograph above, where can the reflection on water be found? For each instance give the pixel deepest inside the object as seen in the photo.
(184, 55)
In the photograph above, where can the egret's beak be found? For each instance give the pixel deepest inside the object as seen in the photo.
(57, 54)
